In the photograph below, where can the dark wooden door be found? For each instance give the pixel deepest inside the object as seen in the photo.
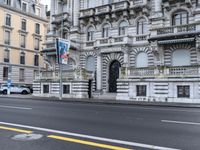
(113, 76)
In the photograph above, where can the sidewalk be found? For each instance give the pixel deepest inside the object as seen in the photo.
(105, 101)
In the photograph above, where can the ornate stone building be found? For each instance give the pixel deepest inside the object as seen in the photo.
(128, 49)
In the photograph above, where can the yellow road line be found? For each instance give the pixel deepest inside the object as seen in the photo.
(16, 130)
(87, 142)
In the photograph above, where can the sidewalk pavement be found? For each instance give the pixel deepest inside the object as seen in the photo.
(105, 101)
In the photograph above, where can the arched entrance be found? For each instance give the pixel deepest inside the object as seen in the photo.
(113, 75)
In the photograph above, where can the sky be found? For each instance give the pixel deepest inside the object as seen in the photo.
(46, 2)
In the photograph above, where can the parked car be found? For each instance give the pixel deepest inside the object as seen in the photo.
(14, 89)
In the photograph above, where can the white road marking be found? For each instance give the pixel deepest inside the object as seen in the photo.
(91, 137)
(181, 122)
(14, 107)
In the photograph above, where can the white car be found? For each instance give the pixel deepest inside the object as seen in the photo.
(14, 89)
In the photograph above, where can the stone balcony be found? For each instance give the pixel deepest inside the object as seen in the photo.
(57, 18)
(164, 72)
(72, 74)
(189, 29)
(104, 9)
(87, 12)
(119, 6)
(137, 3)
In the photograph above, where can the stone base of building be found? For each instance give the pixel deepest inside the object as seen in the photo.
(183, 90)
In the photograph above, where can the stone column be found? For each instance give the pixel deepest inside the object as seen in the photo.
(76, 11)
(198, 49)
(126, 56)
(158, 7)
(99, 73)
(51, 15)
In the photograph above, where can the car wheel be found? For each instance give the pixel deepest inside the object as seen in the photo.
(4, 92)
(24, 92)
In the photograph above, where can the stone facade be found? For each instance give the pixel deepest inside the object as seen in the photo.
(20, 41)
(139, 49)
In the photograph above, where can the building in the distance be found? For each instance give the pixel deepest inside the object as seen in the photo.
(145, 50)
(23, 30)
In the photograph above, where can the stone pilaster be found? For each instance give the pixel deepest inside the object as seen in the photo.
(99, 72)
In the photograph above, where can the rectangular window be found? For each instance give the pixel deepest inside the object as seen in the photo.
(7, 38)
(36, 60)
(5, 73)
(183, 91)
(24, 7)
(22, 58)
(23, 25)
(7, 56)
(37, 28)
(7, 2)
(37, 44)
(46, 88)
(8, 20)
(37, 12)
(21, 75)
(23, 41)
(66, 89)
(141, 90)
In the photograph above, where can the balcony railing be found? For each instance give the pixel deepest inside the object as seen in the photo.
(66, 75)
(90, 43)
(137, 3)
(102, 9)
(87, 12)
(120, 5)
(179, 71)
(175, 29)
(123, 40)
(141, 38)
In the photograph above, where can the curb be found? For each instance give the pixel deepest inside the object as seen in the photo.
(106, 101)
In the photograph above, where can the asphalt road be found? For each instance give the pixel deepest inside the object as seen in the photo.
(84, 126)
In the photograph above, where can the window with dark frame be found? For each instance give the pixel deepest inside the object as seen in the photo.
(37, 28)
(23, 25)
(24, 7)
(23, 41)
(183, 91)
(5, 73)
(141, 90)
(46, 88)
(22, 58)
(37, 44)
(180, 18)
(66, 89)
(141, 26)
(6, 56)
(90, 34)
(7, 37)
(36, 60)
(7, 2)
(8, 20)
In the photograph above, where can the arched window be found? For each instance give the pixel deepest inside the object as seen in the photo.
(142, 60)
(180, 18)
(105, 30)
(181, 57)
(90, 63)
(123, 26)
(142, 26)
(90, 34)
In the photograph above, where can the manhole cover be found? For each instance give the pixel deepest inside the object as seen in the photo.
(27, 137)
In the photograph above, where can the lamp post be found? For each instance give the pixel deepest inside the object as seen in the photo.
(60, 64)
